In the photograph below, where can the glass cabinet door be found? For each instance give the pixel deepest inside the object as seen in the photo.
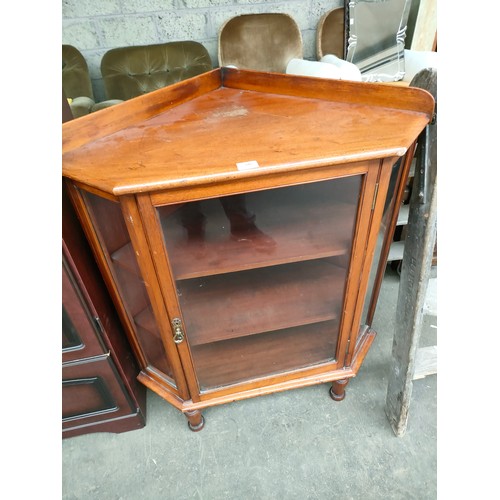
(260, 277)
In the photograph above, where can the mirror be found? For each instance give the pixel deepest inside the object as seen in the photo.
(375, 37)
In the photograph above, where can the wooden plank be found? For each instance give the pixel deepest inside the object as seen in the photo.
(415, 273)
(403, 215)
(425, 27)
(396, 251)
(430, 305)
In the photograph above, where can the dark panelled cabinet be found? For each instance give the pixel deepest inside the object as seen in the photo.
(100, 392)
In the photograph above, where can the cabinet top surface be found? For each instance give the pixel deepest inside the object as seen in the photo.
(229, 124)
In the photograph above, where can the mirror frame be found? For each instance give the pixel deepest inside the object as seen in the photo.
(379, 54)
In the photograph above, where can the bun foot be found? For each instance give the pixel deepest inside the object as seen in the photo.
(196, 422)
(337, 390)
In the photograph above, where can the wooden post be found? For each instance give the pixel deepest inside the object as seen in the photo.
(415, 269)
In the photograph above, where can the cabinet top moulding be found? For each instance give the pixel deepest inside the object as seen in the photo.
(210, 128)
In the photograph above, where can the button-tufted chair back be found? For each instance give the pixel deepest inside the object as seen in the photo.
(261, 42)
(132, 71)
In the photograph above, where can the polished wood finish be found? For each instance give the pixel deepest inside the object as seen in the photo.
(196, 421)
(337, 391)
(347, 113)
(236, 307)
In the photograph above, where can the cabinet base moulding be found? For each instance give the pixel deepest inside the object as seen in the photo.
(338, 378)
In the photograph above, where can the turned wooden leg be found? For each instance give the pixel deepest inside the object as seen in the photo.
(196, 421)
(337, 390)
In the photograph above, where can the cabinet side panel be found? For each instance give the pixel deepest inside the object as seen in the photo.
(393, 204)
(113, 234)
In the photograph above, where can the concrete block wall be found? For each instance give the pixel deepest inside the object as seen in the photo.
(95, 26)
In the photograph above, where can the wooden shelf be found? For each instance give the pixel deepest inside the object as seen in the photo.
(238, 360)
(252, 302)
(146, 320)
(125, 258)
(396, 251)
(152, 345)
(404, 210)
(305, 224)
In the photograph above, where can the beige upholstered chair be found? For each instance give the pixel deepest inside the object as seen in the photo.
(261, 42)
(271, 42)
(132, 71)
(330, 34)
(76, 84)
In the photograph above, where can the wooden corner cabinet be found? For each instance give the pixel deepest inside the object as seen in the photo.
(235, 217)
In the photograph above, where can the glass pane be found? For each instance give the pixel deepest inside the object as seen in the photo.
(260, 277)
(108, 220)
(372, 294)
(376, 38)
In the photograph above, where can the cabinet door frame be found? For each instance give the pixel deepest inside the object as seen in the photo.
(374, 220)
(147, 205)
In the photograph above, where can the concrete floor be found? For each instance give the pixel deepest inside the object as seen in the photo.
(297, 444)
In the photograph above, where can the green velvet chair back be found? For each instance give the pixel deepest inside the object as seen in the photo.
(132, 71)
(75, 74)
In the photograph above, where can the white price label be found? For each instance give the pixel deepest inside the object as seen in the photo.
(247, 165)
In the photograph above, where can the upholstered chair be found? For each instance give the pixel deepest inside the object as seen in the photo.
(330, 34)
(132, 71)
(76, 84)
(261, 42)
(76, 81)
(271, 42)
